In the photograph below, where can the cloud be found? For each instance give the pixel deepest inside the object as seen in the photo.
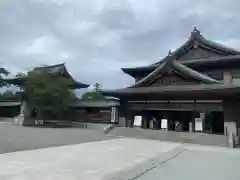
(95, 38)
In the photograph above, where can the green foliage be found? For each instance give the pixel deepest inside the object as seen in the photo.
(95, 94)
(97, 87)
(3, 72)
(92, 95)
(49, 94)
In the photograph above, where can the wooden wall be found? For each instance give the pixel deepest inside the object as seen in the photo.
(198, 53)
(96, 115)
(173, 79)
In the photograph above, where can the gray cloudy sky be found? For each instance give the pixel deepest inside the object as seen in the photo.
(95, 38)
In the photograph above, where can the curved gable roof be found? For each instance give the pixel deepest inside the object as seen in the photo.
(182, 69)
(195, 39)
(53, 69)
(57, 68)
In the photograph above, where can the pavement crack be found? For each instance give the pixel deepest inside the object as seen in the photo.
(144, 172)
(161, 164)
(174, 156)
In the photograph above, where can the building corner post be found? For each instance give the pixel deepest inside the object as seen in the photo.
(231, 121)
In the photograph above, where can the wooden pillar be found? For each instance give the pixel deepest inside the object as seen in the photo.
(146, 120)
(231, 120)
(152, 123)
(130, 119)
(193, 121)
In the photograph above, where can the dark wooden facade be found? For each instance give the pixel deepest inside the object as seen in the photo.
(92, 115)
(90, 111)
(201, 75)
(9, 108)
(96, 111)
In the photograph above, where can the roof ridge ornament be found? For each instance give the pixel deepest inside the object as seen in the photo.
(195, 32)
(169, 52)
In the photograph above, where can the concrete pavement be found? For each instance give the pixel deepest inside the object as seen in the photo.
(103, 157)
(187, 162)
(198, 165)
(15, 138)
(86, 161)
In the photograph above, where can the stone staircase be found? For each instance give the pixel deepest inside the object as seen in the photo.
(183, 137)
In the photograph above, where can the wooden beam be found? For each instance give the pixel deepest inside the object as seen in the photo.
(176, 106)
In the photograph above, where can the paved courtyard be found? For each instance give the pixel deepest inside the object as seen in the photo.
(75, 154)
(87, 161)
(13, 138)
(198, 164)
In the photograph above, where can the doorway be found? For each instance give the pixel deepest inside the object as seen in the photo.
(215, 122)
(173, 116)
(183, 117)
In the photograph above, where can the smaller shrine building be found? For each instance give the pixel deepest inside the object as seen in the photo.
(88, 111)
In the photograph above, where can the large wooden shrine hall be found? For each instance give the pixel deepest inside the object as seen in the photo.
(199, 83)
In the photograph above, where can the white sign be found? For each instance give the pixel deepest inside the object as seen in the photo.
(198, 124)
(113, 117)
(164, 123)
(138, 121)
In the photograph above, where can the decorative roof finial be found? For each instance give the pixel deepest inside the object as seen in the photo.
(195, 31)
(169, 52)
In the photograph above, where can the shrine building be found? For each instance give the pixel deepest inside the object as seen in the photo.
(198, 85)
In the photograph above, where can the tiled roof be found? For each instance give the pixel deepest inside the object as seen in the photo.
(195, 37)
(106, 102)
(171, 89)
(170, 62)
(55, 69)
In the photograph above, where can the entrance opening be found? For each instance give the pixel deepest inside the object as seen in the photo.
(183, 117)
(215, 122)
(173, 116)
(212, 122)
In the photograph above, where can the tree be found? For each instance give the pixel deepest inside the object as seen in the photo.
(49, 94)
(3, 72)
(96, 87)
(94, 94)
